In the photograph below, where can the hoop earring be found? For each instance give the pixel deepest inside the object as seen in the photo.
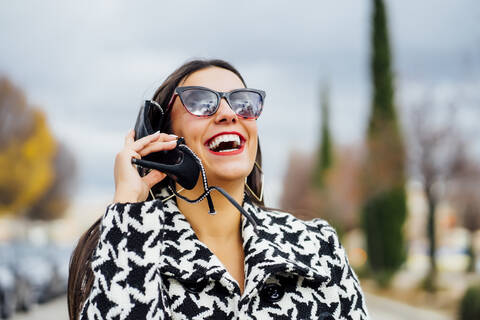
(259, 198)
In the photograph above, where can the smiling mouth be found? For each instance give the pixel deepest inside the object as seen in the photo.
(230, 143)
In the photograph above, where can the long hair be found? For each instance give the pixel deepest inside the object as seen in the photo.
(81, 277)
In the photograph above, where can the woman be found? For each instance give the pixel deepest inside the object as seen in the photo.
(155, 256)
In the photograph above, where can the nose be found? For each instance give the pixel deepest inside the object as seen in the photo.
(225, 114)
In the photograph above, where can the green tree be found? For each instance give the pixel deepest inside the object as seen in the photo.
(384, 211)
(324, 158)
(469, 307)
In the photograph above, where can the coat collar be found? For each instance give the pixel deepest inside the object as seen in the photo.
(267, 252)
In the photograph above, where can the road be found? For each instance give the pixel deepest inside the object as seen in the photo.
(56, 309)
(380, 309)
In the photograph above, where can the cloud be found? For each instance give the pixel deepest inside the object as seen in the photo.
(91, 64)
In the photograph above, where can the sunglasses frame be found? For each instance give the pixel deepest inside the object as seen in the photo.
(220, 95)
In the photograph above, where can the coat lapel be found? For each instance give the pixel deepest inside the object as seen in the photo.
(277, 248)
(273, 249)
(184, 256)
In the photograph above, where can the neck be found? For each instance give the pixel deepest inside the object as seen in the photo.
(225, 224)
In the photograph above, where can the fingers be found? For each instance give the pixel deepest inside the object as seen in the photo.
(153, 177)
(158, 146)
(141, 143)
(129, 186)
(125, 156)
(134, 154)
(130, 137)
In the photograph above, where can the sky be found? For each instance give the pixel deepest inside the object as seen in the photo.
(90, 64)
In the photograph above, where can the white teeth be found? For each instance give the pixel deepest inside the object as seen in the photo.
(225, 138)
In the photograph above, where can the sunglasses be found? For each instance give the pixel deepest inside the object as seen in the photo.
(203, 102)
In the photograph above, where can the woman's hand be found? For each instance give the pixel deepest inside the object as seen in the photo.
(129, 186)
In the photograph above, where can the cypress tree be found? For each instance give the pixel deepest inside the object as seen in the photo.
(384, 210)
(324, 157)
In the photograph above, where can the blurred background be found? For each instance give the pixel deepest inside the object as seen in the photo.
(370, 122)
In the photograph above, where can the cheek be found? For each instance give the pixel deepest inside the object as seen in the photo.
(253, 139)
(183, 126)
(174, 123)
(251, 127)
(192, 130)
(253, 150)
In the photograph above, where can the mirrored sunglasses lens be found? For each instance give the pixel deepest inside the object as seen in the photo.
(246, 103)
(199, 102)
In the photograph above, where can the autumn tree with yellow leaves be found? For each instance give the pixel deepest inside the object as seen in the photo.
(28, 151)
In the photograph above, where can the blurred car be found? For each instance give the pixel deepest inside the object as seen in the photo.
(59, 257)
(7, 292)
(31, 274)
(24, 297)
(41, 267)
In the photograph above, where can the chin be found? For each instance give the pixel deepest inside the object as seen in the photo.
(228, 174)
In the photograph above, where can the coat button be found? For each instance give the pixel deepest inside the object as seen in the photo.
(193, 287)
(272, 292)
(326, 316)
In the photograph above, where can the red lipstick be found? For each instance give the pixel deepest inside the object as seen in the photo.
(240, 148)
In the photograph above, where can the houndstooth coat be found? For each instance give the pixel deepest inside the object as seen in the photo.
(149, 264)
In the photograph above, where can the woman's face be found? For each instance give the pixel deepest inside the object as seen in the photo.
(203, 135)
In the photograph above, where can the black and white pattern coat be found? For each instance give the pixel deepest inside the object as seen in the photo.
(149, 264)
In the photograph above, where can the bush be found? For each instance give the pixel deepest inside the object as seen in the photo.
(470, 304)
(383, 218)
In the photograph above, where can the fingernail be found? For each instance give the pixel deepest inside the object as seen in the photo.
(156, 133)
(173, 135)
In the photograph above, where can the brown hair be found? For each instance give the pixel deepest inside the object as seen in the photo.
(81, 277)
